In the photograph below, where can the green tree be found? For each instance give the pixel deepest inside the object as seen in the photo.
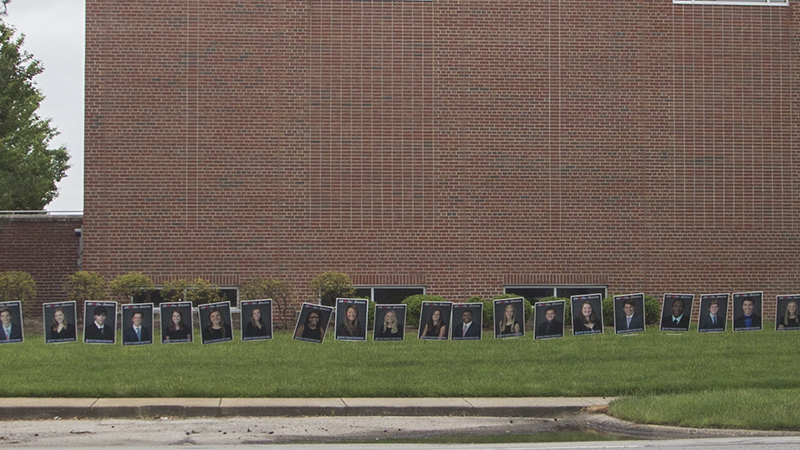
(329, 286)
(126, 286)
(84, 286)
(18, 286)
(29, 170)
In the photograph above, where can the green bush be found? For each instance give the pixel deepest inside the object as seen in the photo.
(414, 308)
(329, 286)
(84, 286)
(126, 286)
(18, 286)
(198, 291)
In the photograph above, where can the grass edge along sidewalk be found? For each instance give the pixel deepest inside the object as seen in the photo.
(689, 370)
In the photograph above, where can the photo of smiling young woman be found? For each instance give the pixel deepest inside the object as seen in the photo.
(312, 323)
(215, 321)
(256, 319)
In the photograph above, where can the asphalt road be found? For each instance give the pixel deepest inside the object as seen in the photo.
(324, 432)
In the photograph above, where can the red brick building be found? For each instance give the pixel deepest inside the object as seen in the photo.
(460, 146)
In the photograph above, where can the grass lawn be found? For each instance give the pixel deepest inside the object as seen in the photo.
(665, 376)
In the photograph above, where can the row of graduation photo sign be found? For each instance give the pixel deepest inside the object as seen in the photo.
(438, 320)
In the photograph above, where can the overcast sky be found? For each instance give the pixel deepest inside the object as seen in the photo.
(54, 34)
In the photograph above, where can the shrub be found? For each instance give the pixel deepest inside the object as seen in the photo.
(18, 286)
(198, 291)
(414, 308)
(278, 291)
(126, 286)
(329, 286)
(83, 286)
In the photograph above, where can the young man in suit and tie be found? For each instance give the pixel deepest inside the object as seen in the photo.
(677, 321)
(99, 331)
(749, 320)
(137, 333)
(550, 326)
(468, 329)
(8, 331)
(713, 320)
(632, 320)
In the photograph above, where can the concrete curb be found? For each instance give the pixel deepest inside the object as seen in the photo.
(612, 425)
(49, 408)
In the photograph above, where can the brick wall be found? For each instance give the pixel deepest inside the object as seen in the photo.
(460, 144)
(44, 246)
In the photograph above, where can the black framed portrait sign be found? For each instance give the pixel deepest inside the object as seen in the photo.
(587, 314)
(676, 312)
(351, 319)
(434, 321)
(11, 322)
(100, 322)
(713, 313)
(137, 324)
(747, 311)
(629, 313)
(548, 319)
(59, 320)
(787, 314)
(177, 323)
(467, 321)
(390, 322)
(215, 322)
(312, 323)
(509, 317)
(256, 319)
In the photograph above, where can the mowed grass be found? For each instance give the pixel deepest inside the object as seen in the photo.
(728, 380)
(651, 363)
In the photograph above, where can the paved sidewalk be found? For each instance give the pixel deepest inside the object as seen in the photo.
(49, 408)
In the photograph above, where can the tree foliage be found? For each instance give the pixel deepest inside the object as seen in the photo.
(126, 286)
(84, 286)
(29, 170)
(18, 286)
(198, 291)
(329, 286)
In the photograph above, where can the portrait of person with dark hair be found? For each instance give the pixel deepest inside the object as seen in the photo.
(713, 313)
(10, 322)
(59, 322)
(467, 321)
(587, 314)
(546, 320)
(747, 309)
(101, 327)
(787, 313)
(215, 321)
(434, 320)
(312, 322)
(676, 312)
(176, 322)
(256, 319)
(138, 318)
(389, 322)
(352, 317)
(628, 313)
(509, 317)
